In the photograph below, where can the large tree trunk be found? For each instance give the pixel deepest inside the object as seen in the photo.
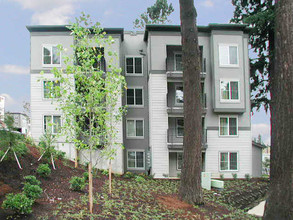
(190, 187)
(280, 201)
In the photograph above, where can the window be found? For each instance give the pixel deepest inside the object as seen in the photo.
(179, 160)
(228, 126)
(229, 90)
(134, 97)
(178, 62)
(179, 127)
(51, 55)
(135, 159)
(228, 55)
(228, 161)
(52, 124)
(48, 88)
(134, 65)
(134, 128)
(179, 95)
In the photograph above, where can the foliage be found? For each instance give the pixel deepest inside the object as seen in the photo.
(260, 15)
(234, 176)
(77, 183)
(247, 177)
(222, 176)
(86, 175)
(140, 179)
(10, 138)
(32, 191)
(155, 14)
(129, 175)
(44, 170)
(266, 164)
(47, 147)
(31, 180)
(133, 200)
(30, 141)
(105, 172)
(18, 203)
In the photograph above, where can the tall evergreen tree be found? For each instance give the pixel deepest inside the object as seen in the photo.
(156, 14)
(190, 187)
(280, 201)
(260, 15)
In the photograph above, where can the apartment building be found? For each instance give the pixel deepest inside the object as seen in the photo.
(152, 130)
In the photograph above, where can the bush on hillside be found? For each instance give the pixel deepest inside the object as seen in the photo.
(18, 203)
(44, 170)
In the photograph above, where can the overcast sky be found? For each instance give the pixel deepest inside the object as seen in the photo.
(14, 37)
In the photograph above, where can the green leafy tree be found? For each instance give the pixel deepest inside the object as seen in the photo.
(260, 15)
(89, 92)
(156, 14)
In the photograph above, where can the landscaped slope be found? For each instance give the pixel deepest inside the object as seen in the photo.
(133, 197)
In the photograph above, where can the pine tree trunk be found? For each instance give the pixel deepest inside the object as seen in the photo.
(280, 201)
(190, 187)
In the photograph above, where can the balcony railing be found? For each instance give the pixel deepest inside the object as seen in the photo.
(175, 141)
(173, 73)
(178, 109)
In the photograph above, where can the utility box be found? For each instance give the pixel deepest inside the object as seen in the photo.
(206, 180)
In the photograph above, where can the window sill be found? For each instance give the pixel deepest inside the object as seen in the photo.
(135, 138)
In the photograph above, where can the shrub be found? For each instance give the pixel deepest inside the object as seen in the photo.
(129, 175)
(221, 176)
(77, 183)
(86, 175)
(60, 154)
(179, 175)
(247, 177)
(31, 180)
(44, 170)
(32, 191)
(30, 141)
(105, 172)
(18, 203)
(234, 176)
(139, 179)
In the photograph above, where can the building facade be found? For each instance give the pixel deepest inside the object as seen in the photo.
(152, 130)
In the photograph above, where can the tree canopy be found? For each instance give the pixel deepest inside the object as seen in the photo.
(260, 15)
(155, 14)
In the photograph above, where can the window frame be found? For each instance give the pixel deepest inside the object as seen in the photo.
(228, 45)
(177, 160)
(229, 165)
(136, 168)
(177, 134)
(43, 88)
(175, 66)
(228, 116)
(135, 105)
(51, 64)
(135, 137)
(175, 101)
(230, 100)
(133, 57)
(52, 116)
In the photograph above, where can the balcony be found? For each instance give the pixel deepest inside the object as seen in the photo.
(176, 142)
(178, 109)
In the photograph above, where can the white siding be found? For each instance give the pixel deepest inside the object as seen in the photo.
(240, 144)
(158, 124)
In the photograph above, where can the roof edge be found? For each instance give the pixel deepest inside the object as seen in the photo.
(65, 28)
(207, 29)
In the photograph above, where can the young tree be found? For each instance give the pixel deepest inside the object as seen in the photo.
(156, 14)
(88, 94)
(261, 16)
(280, 201)
(190, 187)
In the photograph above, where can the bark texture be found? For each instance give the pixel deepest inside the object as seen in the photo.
(190, 187)
(280, 201)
